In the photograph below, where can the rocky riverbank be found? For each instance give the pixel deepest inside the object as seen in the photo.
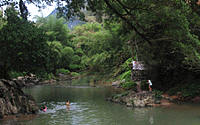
(30, 80)
(133, 99)
(13, 100)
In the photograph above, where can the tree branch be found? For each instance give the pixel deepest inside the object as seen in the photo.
(131, 15)
(130, 8)
(127, 21)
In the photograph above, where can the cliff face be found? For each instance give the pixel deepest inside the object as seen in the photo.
(14, 101)
(71, 22)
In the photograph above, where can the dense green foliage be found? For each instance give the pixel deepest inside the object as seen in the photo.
(165, 34)
(61, 52)
(130, 85)
(99, 48)
(22, 46)
(56, 29)
(39, 48)
(186, 91)
(63, 71)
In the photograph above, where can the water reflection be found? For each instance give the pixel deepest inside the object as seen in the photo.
(15, 120)
(88, 107)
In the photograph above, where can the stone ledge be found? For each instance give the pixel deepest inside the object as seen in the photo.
(133, 99)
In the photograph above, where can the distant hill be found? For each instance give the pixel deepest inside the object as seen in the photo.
(72, 22)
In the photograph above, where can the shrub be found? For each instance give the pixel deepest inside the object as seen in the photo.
(158, 94)
(63, 71)
(14, 74)
(45, 76)
(126, 75)
(74, 66)
(50, 76)
(129, 85)
(191, 90)
(186, 90)
(75, 74)
(126, 65)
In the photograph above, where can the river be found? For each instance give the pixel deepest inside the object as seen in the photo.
(89, 107)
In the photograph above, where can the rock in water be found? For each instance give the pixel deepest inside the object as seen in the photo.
(133, 99)
(14, 101)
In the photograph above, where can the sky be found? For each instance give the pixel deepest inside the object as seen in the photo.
(33, 10)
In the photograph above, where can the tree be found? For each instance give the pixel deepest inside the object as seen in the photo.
(54, 56)
(166, 32)
(100, 48)
(56, 29)
(61, 53)
(67, 57)
(20, 3)
(2, 20)
(22, 45)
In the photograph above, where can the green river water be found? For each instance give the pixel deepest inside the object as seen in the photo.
(89, 107)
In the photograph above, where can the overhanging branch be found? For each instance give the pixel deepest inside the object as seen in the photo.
(130, 14)
(127, 21)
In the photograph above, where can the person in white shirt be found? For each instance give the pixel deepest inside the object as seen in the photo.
(150, 84)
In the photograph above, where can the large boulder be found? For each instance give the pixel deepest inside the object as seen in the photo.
(133, 99)
(14, 101)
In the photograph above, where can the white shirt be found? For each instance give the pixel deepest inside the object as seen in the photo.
(150, 83)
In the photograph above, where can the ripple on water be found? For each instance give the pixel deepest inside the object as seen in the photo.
(78, 113)
(88, 107)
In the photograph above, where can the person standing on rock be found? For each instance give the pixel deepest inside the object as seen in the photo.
(150, 84)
